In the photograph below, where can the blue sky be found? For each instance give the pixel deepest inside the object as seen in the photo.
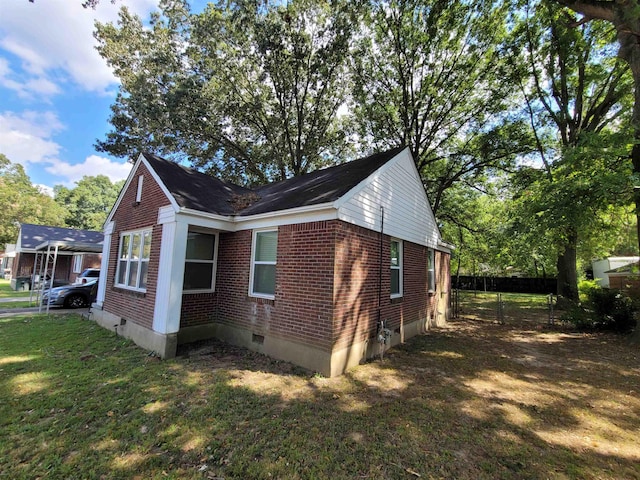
(55, 90)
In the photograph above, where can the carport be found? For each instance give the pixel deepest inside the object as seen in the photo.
(46, 260)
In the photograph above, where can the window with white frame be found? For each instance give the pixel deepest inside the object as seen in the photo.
(133, 260)
(431, 270)
(77, 263)
(396, 268)
(263, 263)
(199, 266)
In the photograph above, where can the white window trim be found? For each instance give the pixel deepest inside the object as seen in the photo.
(122, 235)
(214, 262)
(400, 268)
(77, 262)
(431, 270)
(254, 237)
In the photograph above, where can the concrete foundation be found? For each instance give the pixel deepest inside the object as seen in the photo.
(329, 364)
(164, 345)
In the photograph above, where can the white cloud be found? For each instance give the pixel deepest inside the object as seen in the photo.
(92, 166)
(26, 138)
(53, 40)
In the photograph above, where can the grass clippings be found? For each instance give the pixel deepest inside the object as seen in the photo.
(472, 400)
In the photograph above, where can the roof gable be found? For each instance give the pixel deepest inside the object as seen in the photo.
(33, 235)
(396, 192)
(322, 186)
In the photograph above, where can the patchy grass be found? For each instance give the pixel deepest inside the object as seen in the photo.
(473, 400)
(518, 307)
(11, 305)
(6, 292)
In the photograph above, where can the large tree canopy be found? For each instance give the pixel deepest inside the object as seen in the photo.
(246, 90)
(432, 76)
(21, 202)
(576, 97)
(89, 202)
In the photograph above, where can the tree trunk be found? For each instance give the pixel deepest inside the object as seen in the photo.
(567, 272)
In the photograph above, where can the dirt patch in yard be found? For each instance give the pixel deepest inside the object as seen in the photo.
(477, 399)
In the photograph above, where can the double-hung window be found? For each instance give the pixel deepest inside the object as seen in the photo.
(263, 263)
(396, 268)
(431, 270)
(133, 260)
(199, 266)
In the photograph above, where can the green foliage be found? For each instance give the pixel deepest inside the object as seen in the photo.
(613, 310)
(89, 202)
(246, 90)
(602, 309)
(431, 75)
(22, 202)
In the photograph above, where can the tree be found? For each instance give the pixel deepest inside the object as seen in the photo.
(625, 17)
(21, 202)
(575, 100)
(246, 90)
(89, 202)
(432, 76)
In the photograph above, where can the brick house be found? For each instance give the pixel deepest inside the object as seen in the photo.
(75, 251)
(302, 270)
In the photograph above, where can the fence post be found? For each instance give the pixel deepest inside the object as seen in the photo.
(500, 309)
(550, 304)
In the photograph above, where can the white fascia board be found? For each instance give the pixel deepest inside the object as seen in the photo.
(206, 220)
(311, 213)
(446, 247)
(132, 175)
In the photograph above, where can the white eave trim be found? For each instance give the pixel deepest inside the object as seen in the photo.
(310, 213)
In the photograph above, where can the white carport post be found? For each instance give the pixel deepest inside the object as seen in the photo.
(104, 265)
(166, 315)
(53, 272)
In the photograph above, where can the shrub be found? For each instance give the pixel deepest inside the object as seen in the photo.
(613, 310)
(581, 318)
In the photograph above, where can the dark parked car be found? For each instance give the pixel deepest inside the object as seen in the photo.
(72, 296)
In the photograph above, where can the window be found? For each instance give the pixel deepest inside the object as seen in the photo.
(199, 266)
(133, 260)
(77, 263)
(396, 268)
(139, 190)
(263, 263)
(431, 270)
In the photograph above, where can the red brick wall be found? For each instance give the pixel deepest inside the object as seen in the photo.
(302, 308)
(25, 263)
(356, 290)
(134, 306)
(309, 306)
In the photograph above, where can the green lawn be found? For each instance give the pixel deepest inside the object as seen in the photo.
(517, 307)
(473, 400)
(6, 292)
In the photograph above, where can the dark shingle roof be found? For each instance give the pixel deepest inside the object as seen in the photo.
(202, 192)
(33, 235)
(321, 186)
(196, 190)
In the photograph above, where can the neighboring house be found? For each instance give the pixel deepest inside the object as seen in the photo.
(626, 278)
(69, 250)
(298, 270)
(602, 267)
(6, 260)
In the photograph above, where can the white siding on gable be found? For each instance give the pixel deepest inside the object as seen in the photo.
(396, 187)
